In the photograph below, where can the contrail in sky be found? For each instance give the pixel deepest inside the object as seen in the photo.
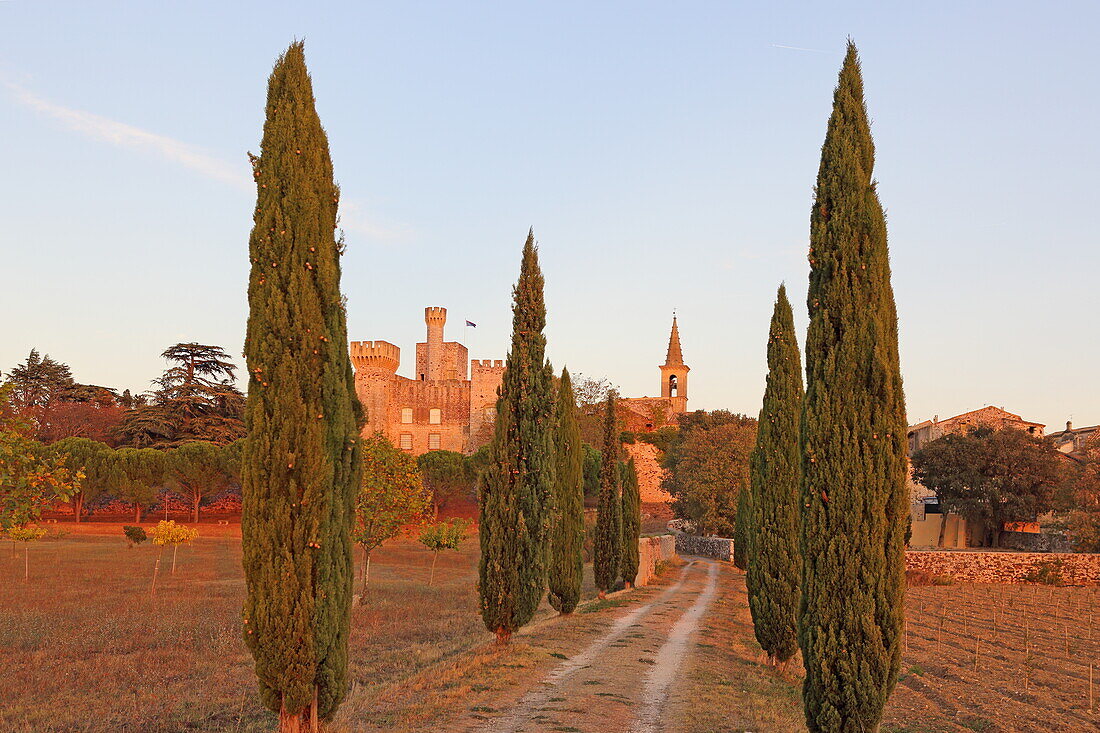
(127, 136)
(798, 48)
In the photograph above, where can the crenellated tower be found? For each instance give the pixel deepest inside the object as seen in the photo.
(674, 373)
(435, 318)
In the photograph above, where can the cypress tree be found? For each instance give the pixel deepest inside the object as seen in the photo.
(775, 563)
(607, 553)
(632, 522)
(516, 489)
(566, 566)
(852, 437)
(300, 463)
(743, 523)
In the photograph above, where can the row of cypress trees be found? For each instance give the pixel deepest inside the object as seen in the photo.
(532, 491)
(824, 523)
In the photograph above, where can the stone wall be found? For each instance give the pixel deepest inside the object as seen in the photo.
(971, 566)
(653, 550)
(719, 548)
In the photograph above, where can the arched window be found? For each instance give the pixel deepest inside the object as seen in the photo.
(673, 386)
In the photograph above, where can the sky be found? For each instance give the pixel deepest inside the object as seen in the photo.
(665, 154)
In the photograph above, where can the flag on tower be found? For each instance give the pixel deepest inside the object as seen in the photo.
(471, 323)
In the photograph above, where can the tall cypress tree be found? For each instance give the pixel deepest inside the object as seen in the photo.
(743, 526)
(300, 464)
(775, 563)
(566, 565)
(852, 437)
(517, 486)
(607, 552)
(632, 522)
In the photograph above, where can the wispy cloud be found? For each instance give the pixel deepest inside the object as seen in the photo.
(134, 138)
(354, 219)
(798, 48)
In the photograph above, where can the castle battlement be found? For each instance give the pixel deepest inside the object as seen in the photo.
(375, 356)
(486, 364)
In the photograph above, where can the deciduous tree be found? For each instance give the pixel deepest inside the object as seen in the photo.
(199, 468)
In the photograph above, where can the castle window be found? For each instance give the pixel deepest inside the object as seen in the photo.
(406, 415)
(435, 416)
(406, 441)
(433, 441)
(490, 413)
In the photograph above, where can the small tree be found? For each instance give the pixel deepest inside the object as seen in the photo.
(440, 536)
(138, 472)
(167, 532)
(134, 535)
(94, 460)
(199, 468)
(632, 522)
(26, 535)
(448, 476)
(31, 480)
(391, 496)
(607, 554)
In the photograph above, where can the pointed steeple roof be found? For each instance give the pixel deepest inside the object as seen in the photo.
(674, 357)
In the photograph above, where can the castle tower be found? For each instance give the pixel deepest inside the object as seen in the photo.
(436, 318)
(674, 373)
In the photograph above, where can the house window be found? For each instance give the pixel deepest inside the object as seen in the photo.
(435, 416)
(433, 441)
(406, 415)
(406, 441)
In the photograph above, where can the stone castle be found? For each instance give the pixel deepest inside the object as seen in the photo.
(446, 407)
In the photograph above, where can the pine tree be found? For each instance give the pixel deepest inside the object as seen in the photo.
(300, 464)
(566, 565)
(632, 522)
(775, 563)
(853, 437)
(607, 553)
(517, 486)
(743, 527)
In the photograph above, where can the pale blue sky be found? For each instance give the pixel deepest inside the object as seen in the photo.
(665, 154)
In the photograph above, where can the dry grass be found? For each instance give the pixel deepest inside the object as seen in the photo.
(84, 647)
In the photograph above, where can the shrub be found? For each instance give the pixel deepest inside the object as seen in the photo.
(167, 532)
(628, 437)
(943, 579)
(134, 535)
(1046, 572)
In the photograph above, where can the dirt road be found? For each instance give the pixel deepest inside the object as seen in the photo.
(621, 680)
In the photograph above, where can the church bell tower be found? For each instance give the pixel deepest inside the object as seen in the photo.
(674, 373)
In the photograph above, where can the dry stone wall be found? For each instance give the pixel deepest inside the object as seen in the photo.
(719, 548)
(653, 550)
(969, 566)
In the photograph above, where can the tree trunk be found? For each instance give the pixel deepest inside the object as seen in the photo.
(943, 526)
(197, 508)
(365, 572)
(304, 721)
(27, 562)
(174, 548)
(137, 513)
(503, 636)
(431, 577)
(78, 502)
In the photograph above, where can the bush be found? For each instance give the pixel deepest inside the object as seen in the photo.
(628, 437)
(943, 579)
(1046, 572)
(167, 532)
(134, 535)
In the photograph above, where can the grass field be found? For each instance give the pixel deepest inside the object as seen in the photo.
(85, 646)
